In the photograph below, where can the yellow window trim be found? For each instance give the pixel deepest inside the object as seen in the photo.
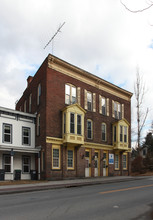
(59, 148)
(118, 161)
(126, 161)
(72, 149)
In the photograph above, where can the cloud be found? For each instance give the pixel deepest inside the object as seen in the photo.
(101, 37)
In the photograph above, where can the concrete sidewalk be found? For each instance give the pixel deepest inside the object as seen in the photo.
(21, 188)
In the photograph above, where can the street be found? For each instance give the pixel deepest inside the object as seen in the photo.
(122, 200)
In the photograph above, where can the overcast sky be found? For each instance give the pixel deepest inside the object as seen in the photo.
(99, 36)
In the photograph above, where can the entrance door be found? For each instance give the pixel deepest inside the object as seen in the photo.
(105, 164)
(96, 164)
(87, 164)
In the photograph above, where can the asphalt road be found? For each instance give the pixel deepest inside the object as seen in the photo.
(124, 200)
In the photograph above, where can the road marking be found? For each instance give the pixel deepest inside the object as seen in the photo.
(126, 189)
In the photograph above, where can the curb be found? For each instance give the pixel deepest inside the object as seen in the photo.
(60, 186)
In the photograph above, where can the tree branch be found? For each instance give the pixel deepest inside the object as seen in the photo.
(137, 11)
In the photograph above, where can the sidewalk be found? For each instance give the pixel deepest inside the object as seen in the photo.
(20, 188)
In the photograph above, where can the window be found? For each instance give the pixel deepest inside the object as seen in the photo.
(79, 124)
(7, 163)
(26, 136)
(117, 110)
(125, 134)
(26, 164)
(25, 106)
(114, 133)
(38, 124)
(89, 129)
(116, 161)
(121, 133)
(89, 101)
(38, 94)
(30, 102)
(70, 158)
(103, 103)
(70, 94)
(124, 161)
(64, 123)
(72, 123)
(103, 132)
(7, 133)
(56, 157)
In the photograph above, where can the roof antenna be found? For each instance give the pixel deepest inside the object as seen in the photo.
(58, 30)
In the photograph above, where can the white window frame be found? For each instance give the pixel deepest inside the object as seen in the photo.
(7, 134)
(7, 164)
(70, 97)
(104, 105)
(89, 101)
(56, 159)
(79, 125)
(28, 165)
(24, 136)
(116, 161)
(70, 160)
(72, 123)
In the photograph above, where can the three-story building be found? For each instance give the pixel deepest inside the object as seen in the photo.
(83, 122)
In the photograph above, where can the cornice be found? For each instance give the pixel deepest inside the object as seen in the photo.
(98, 146)
(88, 78)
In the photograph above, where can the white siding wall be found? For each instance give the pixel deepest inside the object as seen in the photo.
(17, 131)
(18, 164)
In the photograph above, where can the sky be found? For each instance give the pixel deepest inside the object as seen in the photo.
(101, 37)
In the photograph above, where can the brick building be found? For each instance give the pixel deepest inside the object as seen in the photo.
(83, 122)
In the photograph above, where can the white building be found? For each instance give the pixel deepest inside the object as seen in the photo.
(18, 153)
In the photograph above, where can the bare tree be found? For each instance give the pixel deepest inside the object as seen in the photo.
(139, 91)
(150, 4)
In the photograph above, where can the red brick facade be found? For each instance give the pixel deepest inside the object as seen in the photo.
(52, 102)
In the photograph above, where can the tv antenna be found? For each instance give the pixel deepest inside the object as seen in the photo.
(58, 30)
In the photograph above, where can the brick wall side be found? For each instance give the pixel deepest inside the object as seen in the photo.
(56, 102)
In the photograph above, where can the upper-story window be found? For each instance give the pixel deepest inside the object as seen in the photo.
(89, 101)
(38, 124)
(25, 106)
(89, 129)
(117, 110)
(64, 123)
(125, 134)
(38, 94)
(103, 132)
(70, 94)
(121, 133)
(26, 136)
(30, 102)
(7, 133)
(79, 124)
(103, 103)
(72, 123)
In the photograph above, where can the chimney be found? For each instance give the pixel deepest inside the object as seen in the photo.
(29, 79)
